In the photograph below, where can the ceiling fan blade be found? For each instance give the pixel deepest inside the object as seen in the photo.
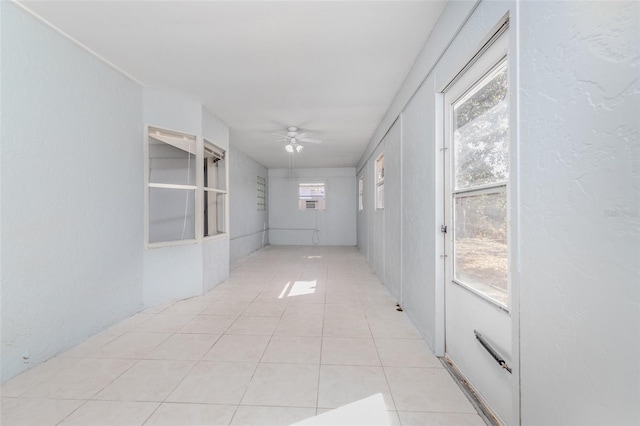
(309, 140)
(302, 127)
(276, 141)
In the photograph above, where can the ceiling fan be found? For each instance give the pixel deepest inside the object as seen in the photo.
(293, 139)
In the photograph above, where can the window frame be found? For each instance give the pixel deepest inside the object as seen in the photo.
(379, 180)
(262, 195)
(486, 63)
(361, 193)
(198, 190)
(224, 190)
(321, 201)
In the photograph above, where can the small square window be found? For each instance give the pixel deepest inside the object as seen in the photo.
(311, 196)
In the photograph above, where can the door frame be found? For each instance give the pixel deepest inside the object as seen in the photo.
(504, 12)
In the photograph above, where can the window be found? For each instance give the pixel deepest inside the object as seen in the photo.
(380, 182)
(172, 186)
(215, 190)
(480, 119)
(179, 208)
(360, 193)
(311, 196)
(262, 194)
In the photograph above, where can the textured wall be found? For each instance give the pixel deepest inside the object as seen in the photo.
(337, 224)
(248, 225)
(580, 219)
(215, 252)
(577, 214)
(176, 272)
(419, 236)
(172, 272)
(392, 211)
(420, 213)
(71, 193)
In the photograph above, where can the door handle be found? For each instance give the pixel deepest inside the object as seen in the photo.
(492, 351)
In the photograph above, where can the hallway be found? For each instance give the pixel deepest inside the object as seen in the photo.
(295, 332)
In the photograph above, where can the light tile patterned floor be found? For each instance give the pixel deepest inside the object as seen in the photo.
(294, 333)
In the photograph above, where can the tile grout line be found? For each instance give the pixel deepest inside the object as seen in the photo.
(324, 309)
(188, 372)
(198, 362)
(384, 371)
(256, 369)
(171, 334)
(112, 381)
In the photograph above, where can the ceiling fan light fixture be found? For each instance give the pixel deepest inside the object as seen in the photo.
(299, 148)
(289, 148)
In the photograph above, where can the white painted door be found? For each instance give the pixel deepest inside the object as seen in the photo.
(477, 290)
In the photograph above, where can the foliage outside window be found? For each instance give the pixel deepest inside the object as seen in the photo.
(481, 172)
(380, 182)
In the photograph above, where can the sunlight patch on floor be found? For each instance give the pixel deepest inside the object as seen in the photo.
(370, 411)
(284, 290)
(301, 288)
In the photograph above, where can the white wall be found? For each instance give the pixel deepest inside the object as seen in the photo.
(290, 226)
(392, 211)
(580, 213)
(452, 17)
(172, 111)
(215, 251)
(177, 272)
(576, 210)
(71, 193)
(420, 239)
(248, 225)
(417, 272)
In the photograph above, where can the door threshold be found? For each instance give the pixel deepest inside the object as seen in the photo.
(487, 415)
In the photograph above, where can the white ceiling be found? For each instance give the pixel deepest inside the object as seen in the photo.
(328, 66)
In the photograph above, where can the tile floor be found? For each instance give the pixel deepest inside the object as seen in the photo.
(294, 333)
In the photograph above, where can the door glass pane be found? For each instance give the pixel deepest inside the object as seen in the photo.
(480, 244)
(171, 214)
(481, 132)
